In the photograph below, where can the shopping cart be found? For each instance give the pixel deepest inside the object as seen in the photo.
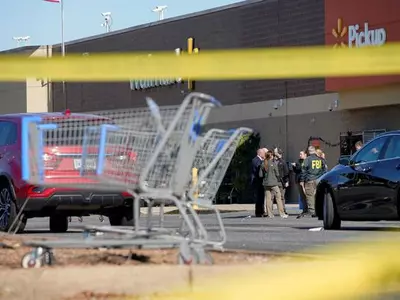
(157, 146)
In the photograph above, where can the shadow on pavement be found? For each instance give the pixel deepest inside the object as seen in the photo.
(354, 228)
(49, 232)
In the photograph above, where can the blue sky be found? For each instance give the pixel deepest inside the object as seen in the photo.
(41, 20)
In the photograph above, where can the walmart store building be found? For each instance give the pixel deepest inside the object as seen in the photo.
(285, 112)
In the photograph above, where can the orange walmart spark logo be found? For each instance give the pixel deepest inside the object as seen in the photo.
(339, 33)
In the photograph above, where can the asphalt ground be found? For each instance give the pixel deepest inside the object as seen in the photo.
(256, 234)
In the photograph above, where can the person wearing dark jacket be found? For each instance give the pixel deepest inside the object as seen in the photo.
(313, 167)
(269, 173)
(283, 174)
(297, 170)
(256, 183)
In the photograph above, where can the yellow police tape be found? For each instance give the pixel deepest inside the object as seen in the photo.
(266, 63)
(352, 272)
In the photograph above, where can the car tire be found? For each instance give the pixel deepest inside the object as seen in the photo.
(122, 217)
(58, 224)
(8, 209)
(331, 218)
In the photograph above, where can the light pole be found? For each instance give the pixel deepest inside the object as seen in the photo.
(61, 2)
(160, 10)
(63, 50)
(107, 21)
(22, 39)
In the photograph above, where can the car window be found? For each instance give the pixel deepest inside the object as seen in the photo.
(8, 133)
(393, 148)
(371, 151)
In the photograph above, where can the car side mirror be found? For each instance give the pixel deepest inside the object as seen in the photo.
(344, 161)
(351, 163)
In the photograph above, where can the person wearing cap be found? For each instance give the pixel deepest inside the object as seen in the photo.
(313, 167)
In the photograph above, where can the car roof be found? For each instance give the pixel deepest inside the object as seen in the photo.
(55, 116)
(393, 132)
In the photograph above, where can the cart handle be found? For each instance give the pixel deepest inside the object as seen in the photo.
(25, 135)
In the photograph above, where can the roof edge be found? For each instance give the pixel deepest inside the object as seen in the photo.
(161, 22)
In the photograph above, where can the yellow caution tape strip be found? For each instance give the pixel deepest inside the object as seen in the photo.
(355, 271)
(268, 63)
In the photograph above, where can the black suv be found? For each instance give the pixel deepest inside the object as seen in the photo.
(363, 188)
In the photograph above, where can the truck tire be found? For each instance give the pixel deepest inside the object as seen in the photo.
(8, 209)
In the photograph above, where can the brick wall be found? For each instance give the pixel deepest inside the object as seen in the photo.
(267, 23)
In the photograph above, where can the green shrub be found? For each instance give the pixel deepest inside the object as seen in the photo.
(236, 182)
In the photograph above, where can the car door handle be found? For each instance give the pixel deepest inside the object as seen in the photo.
(398, 167)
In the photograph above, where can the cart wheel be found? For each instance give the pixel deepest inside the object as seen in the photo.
(29, 261)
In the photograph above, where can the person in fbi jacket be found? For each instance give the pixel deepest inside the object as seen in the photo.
(313, 167)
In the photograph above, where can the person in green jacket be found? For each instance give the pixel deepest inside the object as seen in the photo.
(270, 173)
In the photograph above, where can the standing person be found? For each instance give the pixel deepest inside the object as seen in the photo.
(358, 145)
(297, 166)
(283, 175)
(256, 183)
(321, 155)
(270, 174)
(313, 168)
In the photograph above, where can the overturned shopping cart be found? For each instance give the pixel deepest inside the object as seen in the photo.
(159, 147)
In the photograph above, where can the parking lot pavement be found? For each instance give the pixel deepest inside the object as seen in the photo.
(261, 234)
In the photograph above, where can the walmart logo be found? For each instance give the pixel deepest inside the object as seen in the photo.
(339, 33)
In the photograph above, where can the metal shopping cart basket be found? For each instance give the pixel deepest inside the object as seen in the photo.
(158, 145)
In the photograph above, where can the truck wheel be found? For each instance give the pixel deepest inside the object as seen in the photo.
(58, 224)
(8, 209)
(330, 217)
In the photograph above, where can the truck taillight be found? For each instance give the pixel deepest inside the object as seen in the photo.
(49, 161)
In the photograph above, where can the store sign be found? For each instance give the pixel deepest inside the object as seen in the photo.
(361, 37)
(358, 36)
(145, 84)
(152, 83)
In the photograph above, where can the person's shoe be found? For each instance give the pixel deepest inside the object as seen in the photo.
(270, 216)
(303, 215)
(284, 216)
(310, 215)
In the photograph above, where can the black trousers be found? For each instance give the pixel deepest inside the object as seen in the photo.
(258, 196)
